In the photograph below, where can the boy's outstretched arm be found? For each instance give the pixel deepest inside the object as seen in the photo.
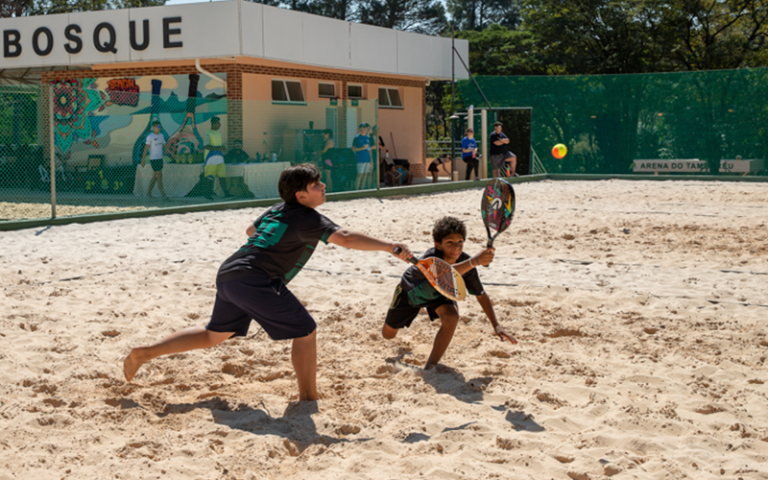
(344, 237)
(485, 301)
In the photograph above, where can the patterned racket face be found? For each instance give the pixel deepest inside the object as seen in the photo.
(497, 207)
(443, 277)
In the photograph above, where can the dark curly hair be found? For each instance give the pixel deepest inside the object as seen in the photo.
(446, 226)
(296, 179)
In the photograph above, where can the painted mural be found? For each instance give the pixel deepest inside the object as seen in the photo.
(111, 117)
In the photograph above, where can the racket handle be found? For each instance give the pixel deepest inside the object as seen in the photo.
(489, 245)
(397, 251)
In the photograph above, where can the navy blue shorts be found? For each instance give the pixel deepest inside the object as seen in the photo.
(265, 300)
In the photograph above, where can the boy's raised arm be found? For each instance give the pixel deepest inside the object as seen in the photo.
(483, 258)
(347, 238)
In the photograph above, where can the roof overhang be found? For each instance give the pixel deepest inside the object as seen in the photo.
(223, 30)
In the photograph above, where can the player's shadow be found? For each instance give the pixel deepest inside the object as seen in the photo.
(445, 379)
(522, 421)
(295, 424)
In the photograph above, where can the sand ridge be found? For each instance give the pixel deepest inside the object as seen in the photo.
(640, 308)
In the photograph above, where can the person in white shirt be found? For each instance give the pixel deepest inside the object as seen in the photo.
(155, 144)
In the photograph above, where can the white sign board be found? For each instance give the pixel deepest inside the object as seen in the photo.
(225, 29)
(694, 165)
(127, 35)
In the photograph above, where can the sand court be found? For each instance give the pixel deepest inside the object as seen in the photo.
(641, 309)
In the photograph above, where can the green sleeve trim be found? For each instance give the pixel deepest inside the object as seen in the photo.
(327, 235)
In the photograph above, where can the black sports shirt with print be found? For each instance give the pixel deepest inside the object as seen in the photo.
(286, 236)
(419, 290)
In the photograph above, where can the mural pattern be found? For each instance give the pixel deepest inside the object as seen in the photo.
(109, 117)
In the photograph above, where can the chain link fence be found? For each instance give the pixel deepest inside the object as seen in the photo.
(88, 146)
(711, 122)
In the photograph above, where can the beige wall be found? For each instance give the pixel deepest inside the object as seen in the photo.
(264, 121)
(406, 125)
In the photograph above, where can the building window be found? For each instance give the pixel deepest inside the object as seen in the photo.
(390, 98)
(287, 91)
(354, 91)
(326, 90)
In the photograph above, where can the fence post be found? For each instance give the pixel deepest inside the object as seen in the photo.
(484, 127)
(52, 145)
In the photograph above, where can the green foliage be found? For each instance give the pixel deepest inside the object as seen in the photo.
(420, 16)
(18, 8)
(480, 14)
(609, 121)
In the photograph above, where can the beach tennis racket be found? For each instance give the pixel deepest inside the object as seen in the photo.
(497, 208)
(441, 275)
(187, 140)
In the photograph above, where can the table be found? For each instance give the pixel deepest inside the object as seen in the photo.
(179, 179)
(261, 178)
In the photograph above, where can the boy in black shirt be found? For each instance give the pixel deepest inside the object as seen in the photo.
(251, 284)
(415, 293)
(499, 153)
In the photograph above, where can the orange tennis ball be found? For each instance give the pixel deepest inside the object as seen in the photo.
(559, 151)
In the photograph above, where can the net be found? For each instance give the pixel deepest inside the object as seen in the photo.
(80, 146)
(690, 122)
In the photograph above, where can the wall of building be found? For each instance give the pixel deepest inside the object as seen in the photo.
(251, 111)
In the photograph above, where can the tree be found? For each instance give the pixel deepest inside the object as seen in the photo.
(719, 34)
(338, 9)
(498, 50)
(15, 8)
(420, 16)
(480, 14)
(18, 8)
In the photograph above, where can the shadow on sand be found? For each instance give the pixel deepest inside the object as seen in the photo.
(447, 380)
(295, 424)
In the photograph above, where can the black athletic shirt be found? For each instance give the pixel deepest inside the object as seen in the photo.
(498, 149)
(286, 236)
(421, 292)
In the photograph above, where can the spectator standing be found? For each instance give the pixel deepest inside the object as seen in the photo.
(361, 145)
(469, 154)
(499, 153)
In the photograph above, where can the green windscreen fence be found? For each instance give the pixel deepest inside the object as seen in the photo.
(712, 122)
(91, 146)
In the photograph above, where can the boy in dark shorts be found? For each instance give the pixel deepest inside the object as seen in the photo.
(415, 292)
(251, 284)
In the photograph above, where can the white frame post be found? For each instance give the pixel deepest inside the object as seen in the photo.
(484, 126)
(51, 141)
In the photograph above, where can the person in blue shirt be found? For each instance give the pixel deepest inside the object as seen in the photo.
(361, 145)
(469, 154)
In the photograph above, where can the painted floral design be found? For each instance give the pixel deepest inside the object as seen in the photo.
(74, 101)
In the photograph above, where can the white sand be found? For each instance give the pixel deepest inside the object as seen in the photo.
(625, 366)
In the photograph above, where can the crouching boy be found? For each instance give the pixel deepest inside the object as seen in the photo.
(414, 292)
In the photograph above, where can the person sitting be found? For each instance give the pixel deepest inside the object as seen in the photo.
(405, 172)
(236, 154)
(392, 177)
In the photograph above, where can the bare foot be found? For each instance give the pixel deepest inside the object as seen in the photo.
(132, 363)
